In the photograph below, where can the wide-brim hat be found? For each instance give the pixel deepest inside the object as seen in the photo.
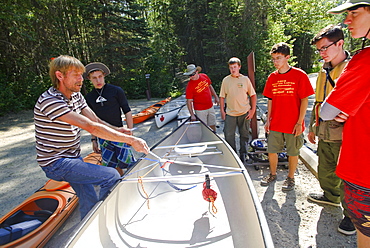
(96, 66)
(348, 4)
(191, 69)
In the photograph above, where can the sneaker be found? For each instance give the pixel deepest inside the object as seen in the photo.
(346, 227)
(321, 198)
(268, 179)
(288, 184)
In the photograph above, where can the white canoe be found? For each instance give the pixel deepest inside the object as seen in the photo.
(168, 210)
(169, 112)
(183, 115)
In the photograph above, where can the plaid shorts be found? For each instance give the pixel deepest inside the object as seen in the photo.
(357, 199)
(116, 154)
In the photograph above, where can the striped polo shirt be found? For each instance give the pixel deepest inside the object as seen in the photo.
(56, 139)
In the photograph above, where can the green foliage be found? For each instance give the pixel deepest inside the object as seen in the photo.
(138, 37)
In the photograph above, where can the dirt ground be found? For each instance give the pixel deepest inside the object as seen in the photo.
(293, 221)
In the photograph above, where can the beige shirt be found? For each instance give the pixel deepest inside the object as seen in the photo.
(236, 91)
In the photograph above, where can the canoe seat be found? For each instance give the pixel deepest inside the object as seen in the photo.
(20, 216)
(52, 185)
(190, 149)
(16, 231)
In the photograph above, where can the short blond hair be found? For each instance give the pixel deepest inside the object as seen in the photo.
(63, 63)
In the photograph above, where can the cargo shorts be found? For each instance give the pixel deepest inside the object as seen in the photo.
(276, 141)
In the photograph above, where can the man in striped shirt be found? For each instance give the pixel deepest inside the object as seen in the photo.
(59, 114)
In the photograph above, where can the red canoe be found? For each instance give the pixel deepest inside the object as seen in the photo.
(150, 111)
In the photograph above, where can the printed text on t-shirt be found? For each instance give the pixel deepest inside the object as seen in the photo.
(202, 85)
(283, 88)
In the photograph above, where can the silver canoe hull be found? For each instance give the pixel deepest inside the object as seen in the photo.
(167, 209)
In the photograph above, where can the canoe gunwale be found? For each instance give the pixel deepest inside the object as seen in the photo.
(168, 111)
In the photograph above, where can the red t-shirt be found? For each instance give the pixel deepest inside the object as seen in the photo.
(352, 96)
(286, 91)
(200, 92)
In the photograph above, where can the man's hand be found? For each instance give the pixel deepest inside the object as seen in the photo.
(140, 145)
(95, 146)
(250, 114)
(193, 118)
(311, 137)
(298, 130)
(341, 117)
(267, 127)
(223, 115)
(217, 101)
(124, 130)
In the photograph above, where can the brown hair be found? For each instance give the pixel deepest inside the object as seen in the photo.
(63, 63)
(331, 32)
(234, 60)
(366, 6)
(282, 48)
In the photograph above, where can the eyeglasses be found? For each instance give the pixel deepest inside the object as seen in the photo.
(323, 49)
(193, 74)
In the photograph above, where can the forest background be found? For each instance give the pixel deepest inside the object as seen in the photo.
(157, 37)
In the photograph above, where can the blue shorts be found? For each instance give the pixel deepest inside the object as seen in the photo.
(116, 154)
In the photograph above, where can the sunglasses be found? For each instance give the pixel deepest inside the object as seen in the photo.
(193, 74)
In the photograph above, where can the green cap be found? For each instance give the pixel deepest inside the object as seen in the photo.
(348, 4)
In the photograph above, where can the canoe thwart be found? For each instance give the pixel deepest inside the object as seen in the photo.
(191, 144)
(194, 154)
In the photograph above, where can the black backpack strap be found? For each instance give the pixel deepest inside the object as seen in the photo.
(331, 81)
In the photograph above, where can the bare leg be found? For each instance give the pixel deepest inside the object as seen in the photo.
(293, 162)
(363, 241)
(273, 160)
(120, 171)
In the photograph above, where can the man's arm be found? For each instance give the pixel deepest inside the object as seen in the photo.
(189, 104)
(222, 108)
(213, 93)
(253, 107)
(129, 120)
(329, 112)
(102, 131)
(267, 124)
(298, 129)
(311, 135)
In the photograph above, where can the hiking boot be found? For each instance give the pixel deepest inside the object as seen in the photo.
(346, 226)
(268, 179)
(288, 184)
(321, 198)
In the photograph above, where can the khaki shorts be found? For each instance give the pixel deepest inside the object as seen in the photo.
(208, 116)
(277, 140)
